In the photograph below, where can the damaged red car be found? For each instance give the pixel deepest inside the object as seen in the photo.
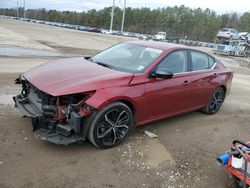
(101, 98)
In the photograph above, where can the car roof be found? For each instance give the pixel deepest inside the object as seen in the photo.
(228, 28)
(158, 45)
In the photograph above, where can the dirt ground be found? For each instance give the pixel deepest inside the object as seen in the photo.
(183, 155)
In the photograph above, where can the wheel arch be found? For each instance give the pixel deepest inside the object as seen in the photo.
(225, 90)
(129, 104)
(126, 100)
(132, 108)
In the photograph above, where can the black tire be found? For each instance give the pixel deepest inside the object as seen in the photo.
(215, 102)
(111, 125)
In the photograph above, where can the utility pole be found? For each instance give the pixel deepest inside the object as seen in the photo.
(112, 16)
(123, 16)
(17, 9)
(24, 9)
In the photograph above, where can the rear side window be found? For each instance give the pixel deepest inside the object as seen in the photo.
(176, 62)
(201, 61)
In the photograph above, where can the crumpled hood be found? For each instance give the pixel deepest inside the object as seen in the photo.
(74, 75)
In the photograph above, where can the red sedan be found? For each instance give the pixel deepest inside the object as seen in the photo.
(101, 98)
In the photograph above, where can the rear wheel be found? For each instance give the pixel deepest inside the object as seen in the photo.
(215, 102)
(111, 125)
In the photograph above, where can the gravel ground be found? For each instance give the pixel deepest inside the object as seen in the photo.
(183, 155)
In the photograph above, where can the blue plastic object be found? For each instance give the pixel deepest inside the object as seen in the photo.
(223, 159)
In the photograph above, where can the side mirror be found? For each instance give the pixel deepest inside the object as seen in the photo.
(162, 73)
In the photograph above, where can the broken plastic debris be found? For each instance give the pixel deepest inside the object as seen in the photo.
(151, 135)
(26, 138)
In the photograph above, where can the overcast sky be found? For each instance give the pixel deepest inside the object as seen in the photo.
(220, 6)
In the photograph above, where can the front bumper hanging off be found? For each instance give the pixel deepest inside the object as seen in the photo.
(64, 133)
(56, 138)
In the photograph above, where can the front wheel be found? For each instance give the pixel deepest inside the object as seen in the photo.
(215, 102)
(111, 125)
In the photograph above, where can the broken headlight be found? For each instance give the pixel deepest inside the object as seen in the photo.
(76, 103)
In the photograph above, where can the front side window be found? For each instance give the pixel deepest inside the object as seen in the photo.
(127, 57)
(200, 61)
(176, 62)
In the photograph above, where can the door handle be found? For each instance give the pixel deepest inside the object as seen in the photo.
(186, 82)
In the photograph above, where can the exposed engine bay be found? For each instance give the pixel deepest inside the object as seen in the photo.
(57, 119)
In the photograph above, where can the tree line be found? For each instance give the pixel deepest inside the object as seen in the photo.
(178, 21)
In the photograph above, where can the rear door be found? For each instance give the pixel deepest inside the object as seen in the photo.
(202, 78)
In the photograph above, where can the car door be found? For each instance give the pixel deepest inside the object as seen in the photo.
(202, 79)
(166, 97)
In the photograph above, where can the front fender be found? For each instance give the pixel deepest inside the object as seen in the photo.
(131, 94)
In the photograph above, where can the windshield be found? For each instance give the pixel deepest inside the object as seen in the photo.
(224, 30)
(161, 33)
(127, 57)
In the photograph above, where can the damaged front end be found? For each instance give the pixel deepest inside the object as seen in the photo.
(60, 120)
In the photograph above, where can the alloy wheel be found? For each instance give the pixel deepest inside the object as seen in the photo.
(217, 100)
(113, 127)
